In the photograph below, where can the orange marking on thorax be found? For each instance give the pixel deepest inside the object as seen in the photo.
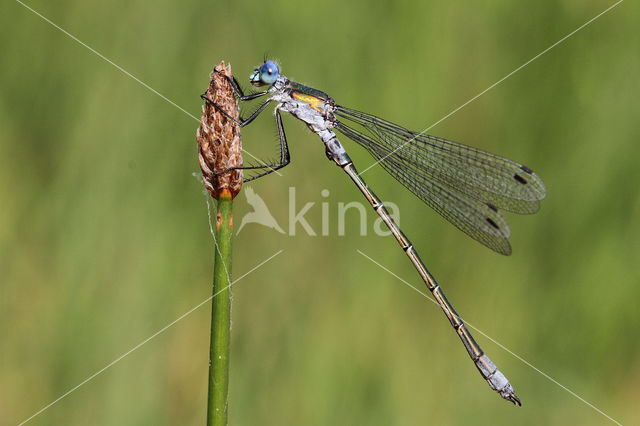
(312, 101)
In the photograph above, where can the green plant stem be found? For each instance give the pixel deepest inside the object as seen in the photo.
(220, 316)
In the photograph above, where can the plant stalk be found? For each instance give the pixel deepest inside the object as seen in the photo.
(220, 315)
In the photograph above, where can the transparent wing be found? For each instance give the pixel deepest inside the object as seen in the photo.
(465, 185)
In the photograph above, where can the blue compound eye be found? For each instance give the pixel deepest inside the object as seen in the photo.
(269, 72)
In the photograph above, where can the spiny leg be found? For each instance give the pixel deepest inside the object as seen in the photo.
(242, 122)
(237, 89)
(285, 158)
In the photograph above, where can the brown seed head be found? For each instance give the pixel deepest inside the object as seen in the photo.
(219, 143)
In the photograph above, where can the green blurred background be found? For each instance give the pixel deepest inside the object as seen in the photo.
(104, 237)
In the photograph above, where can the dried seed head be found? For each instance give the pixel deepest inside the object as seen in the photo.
(219, 143)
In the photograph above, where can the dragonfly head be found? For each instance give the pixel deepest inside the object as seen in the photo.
(266, 74)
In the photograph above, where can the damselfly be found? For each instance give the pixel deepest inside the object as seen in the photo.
(465, 185)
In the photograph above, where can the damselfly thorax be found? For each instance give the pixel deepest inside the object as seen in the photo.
(315, 109)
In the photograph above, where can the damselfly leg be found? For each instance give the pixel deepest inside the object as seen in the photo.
(284, 148)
